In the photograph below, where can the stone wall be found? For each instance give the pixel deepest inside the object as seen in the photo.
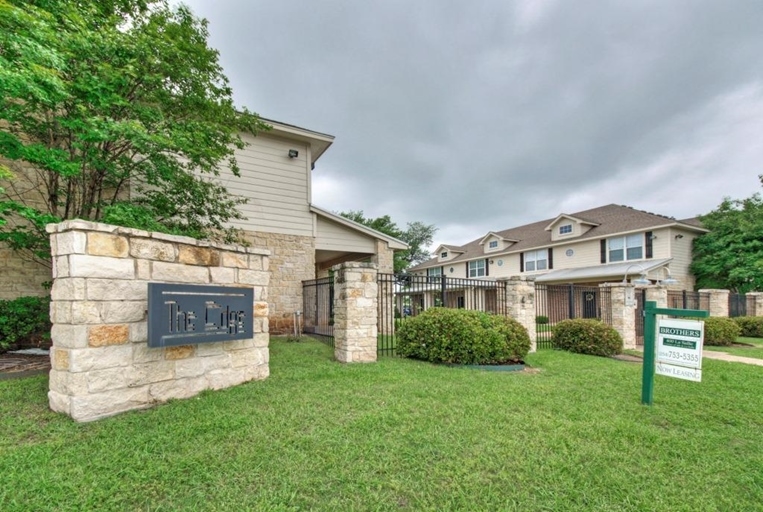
(719, 302)
(355, 312)
(101, 362)
(20, 276)
(520, 304)
(292, 260)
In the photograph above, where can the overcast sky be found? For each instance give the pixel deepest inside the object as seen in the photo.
(485, 115)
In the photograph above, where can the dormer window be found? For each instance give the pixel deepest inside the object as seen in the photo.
(493, 244)
(565, 230)
(444, 254)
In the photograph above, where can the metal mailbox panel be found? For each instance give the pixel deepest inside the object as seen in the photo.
(183, 314)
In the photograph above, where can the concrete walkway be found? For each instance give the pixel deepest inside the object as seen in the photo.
(723, 356)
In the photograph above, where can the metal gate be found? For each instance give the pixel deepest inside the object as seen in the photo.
(557, 302)
(318, 308)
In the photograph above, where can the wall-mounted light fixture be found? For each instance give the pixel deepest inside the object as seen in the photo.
(491, 262)
(653, 237)
(293, 153)
(642, 278)
(668, 280)
(678, 236)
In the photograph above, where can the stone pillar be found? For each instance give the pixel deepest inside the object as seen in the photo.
(519, 303)
(719, 302)
(355, 312)
(620, 312)
(658, 294)
(756, 300)
(101, 362)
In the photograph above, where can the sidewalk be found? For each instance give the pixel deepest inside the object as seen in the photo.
(723, 356)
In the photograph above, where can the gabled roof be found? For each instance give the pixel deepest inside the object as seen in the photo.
(394, 243)
(319, 142)
(496, 235)
(608, 220)
(451, 248)
(572, 218)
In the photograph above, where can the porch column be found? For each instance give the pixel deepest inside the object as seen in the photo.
(519, 304)
(622, 311)
(355, 312)
(719, 302)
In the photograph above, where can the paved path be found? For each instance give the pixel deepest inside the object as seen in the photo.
(723, 356)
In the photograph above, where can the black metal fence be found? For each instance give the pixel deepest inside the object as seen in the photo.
(402, 296)
(683, 299)
(318, 308)
(554, 303)
(740, 304)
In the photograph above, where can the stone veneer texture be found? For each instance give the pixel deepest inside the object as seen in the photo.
(101, 362)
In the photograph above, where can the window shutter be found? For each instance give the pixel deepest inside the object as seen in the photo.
(487, 267)
(550, 258)
(603, 251)
(521, 262)
(467, 270)
(648, 244)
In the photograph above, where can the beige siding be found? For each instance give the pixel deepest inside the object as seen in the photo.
(332, 236)
(276, 186)
(680, 249)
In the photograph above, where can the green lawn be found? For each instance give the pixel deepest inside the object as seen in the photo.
(756, 350)
(401, 435)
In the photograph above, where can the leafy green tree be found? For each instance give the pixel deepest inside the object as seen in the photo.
(121, 111)
(418, 236)
(730, 256)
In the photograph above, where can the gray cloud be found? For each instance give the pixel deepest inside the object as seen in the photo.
(485, 115)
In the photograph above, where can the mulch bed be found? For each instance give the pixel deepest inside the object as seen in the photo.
(21, 365)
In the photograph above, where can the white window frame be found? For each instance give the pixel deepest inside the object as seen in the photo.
(566, 229)
(434, 272)
(493, 244)
(627, 244)
(477, 268)
(444, 254)
(536, 260)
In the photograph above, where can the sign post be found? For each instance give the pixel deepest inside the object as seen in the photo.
(650, 316)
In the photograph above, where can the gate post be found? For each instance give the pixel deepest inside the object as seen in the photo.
(520, 304)
(355, 312)
(756, 298)
(719, 302)
(623, 312)
(657, 294)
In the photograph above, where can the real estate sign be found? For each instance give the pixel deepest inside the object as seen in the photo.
(679, 348)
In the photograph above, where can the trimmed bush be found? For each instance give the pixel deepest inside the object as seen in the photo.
(720, 331)
(458, 336)
(24, 320)
(751, 326)
(586, 336)
(541, 319)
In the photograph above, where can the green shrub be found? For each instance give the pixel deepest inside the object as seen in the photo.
(458, 336)
(720, 331)
(751, 326)
(587, 336)
(26, 320)
(541, 319)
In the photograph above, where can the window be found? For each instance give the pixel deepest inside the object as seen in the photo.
(434, 274)
(477, 268)
(626, 248)
(493, 244)
(565, 230)
(536, 260)
(444, 254)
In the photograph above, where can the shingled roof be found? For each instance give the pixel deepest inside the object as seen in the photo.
(607, 220)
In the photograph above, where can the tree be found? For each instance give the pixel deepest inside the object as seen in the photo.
(418, 236)
(124, 114)
(730, 256)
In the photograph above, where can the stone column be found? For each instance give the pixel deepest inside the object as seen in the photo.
(719, 302)
(519, 303)
(622, 312)
(756, 298)
(658, 294)
(355, 312)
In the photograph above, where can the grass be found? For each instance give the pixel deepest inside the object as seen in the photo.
(401, 435)
(754, 351)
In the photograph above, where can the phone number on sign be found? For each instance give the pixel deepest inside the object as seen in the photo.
(680, 356)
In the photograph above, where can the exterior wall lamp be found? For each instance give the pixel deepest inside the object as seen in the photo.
(642, 278)
(293, 153)
(668, 280)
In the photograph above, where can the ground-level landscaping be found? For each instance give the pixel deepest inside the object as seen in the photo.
(745, 347)
(401, 435)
